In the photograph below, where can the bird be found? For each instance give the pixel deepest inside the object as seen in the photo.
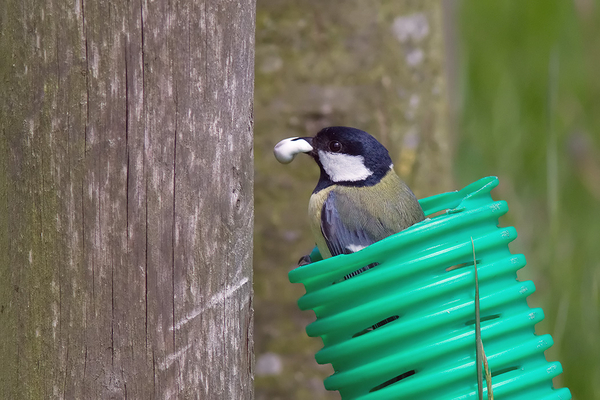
(359, 199)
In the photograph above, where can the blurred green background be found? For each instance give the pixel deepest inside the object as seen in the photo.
(528, 111)
(505, 88)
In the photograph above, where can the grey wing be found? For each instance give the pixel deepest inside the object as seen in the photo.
(341, 237)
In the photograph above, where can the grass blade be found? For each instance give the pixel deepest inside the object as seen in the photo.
(479, 351)
(488, 375)
(478, 343)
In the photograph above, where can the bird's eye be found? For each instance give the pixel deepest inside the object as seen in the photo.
(335, 146)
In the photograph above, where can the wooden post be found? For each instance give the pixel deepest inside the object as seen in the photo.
(126, 200)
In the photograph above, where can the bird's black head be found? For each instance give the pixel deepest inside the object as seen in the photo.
(348, 156)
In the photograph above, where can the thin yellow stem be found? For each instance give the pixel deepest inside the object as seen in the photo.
(479, 351)
(478, 342)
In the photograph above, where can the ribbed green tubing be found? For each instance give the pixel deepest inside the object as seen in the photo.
(404, 329)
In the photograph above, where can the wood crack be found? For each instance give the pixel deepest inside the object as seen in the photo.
(174, 208)
(86, 73)
(127, 82)
(144, 173)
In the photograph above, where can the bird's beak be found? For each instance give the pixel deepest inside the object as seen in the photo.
(286, 150)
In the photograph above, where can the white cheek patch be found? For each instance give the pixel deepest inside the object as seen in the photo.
(286, 150)
(344, 167)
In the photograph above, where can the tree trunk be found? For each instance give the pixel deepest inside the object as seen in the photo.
(126, 200)
(375, 65)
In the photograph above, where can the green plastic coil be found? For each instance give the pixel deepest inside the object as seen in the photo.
(404, 328)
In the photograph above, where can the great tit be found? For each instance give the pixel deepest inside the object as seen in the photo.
(359, 199)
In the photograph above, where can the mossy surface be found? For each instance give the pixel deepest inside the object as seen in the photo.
(29, 294)
(334, 63)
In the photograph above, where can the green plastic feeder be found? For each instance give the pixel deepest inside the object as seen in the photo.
(404, 329)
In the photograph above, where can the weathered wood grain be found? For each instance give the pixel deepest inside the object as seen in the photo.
(126, 200)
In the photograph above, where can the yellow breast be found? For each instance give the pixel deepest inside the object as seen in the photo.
(315, 205)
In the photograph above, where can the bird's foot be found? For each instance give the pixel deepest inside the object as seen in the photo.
(304, 260)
